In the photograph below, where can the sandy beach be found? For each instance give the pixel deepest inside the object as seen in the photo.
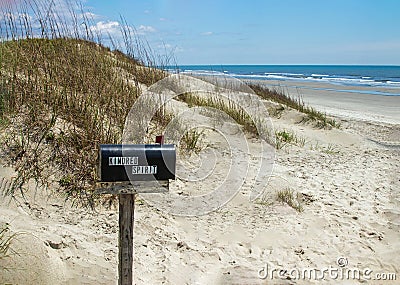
(352, 102)
(346, 179)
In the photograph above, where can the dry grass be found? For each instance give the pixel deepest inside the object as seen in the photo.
(192, 141)
(229, 107)
(5, 241)
(319, 119)
(69, 99)
(62, 95)
(285, 137)
(287, 196)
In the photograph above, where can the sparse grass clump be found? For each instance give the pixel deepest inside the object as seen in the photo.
(5, 240)
(320, 119)
(191, 141)
(297, 103)
(229, 107)
(287, 196)
(284, 138)
(330, 149)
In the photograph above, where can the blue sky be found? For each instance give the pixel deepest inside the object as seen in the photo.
(257, 31)
(264, 32)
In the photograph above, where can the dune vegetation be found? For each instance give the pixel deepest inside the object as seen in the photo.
(63, 93)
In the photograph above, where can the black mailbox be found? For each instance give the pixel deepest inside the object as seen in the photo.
(138, 162)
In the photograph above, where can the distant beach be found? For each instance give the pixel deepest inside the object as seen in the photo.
(367, 93)
(346, 76)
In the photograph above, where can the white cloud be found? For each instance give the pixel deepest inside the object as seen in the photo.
(142, 30)
(109, 27)
(15, 17)
(112, 32)
(114, 28)
(89, 15)
(207, 33)
(64, 13)
(73, 16)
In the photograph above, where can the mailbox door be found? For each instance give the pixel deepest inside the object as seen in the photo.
(136, 162)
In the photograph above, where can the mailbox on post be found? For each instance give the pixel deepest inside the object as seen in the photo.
(126, 170)
(140, 162)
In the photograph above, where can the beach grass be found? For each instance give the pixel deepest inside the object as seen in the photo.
(284, 138)
(229, 107)
(63, 95)
(192, 140)
(319, 119)
(287, 196)
(6, 239)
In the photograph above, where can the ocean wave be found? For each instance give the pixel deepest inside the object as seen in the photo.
(285, 74)
(353, 80)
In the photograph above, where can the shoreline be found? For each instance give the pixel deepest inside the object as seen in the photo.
(347, 105)
(359, 76)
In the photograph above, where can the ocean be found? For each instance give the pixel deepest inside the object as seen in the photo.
(380, 78)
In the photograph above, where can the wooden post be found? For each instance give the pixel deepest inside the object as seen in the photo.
(114, 179)
(125, 244)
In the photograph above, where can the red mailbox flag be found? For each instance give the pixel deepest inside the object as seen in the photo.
(160, 139)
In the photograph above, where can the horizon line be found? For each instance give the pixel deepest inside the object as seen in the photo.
(319, 64)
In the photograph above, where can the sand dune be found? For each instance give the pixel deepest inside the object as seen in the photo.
(346, 179)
